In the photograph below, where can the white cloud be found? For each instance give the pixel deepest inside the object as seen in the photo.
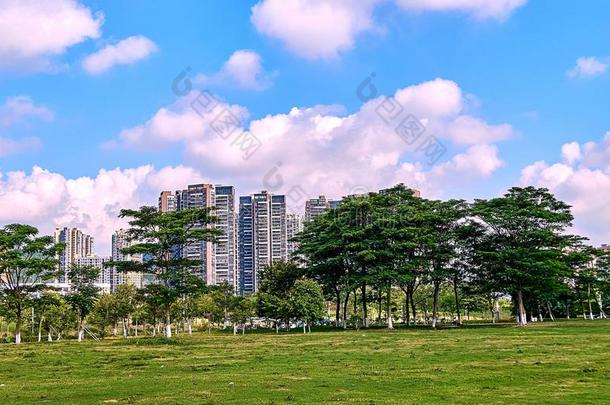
(243, 69)
(32, 32)
(125, 52)
(16, 109)
(323, 150)
(583, 181)
(498, 9)
(10, 146)
(588, 67)
(47, 199)
(468, 130)
(314, 29)
(571, 152)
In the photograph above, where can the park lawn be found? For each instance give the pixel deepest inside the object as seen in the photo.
(562, 362)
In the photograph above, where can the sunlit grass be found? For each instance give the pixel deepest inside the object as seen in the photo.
(564, 362)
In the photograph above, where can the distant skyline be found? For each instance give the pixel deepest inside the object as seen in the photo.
(516, 91)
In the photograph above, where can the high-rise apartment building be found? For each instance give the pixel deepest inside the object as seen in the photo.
(218, 260)
(294, 225)
(115, 278)
(225, 248)
(103, 280)
(201, 196)
(262, 236)
(315, 207)
(77, 245)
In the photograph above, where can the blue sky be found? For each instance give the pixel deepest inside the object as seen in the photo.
(510, 60)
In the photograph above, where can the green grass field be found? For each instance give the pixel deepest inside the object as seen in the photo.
(564, 362)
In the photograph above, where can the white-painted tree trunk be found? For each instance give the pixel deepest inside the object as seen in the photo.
(40, 329)
(124, 323)
(49, 337)
(168, 324)
(602, 313)
(234, 329)
(80, 330)
(190, 327)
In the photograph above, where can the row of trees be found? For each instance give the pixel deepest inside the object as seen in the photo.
(365, 252)
(516, 245)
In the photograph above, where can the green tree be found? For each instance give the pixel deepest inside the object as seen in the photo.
(26, 262)
(42, 304)
(306, 302)
(524, 243)
(160, 238)
(242, 309)
(83, 293)
(124, 305)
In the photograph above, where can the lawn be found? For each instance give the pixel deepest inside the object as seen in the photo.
(563, 362)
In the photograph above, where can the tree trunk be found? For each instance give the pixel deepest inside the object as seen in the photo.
(407, 310)
(390, 320)
(338, 309)
(412, 300)
(600, 303)
(304, 331)
(521, 309)
(136, 330)
(81, 333)
(457, 301)
(190, 326)
(124, 324)
(379, 306)
(345, 303)
(168, 323)
(548, 305)
(365, 315)
(589, 301)
(115, 328)
(18, 329)
(40, 329)
(436, 287)
(49, 336)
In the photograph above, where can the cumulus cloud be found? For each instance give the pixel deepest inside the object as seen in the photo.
(583, 181)
(48, 199)
(497, 9)
(324, 29)
(321, 149)
(17, 110)
(588, 67)
(125, 52)
(32, 32)
(314, 29)
(244, 69)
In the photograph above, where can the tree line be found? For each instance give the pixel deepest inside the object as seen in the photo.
(353, 265)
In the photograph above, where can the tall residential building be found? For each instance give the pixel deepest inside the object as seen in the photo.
(168, 201)
(218, 259)
(294, 225)
(315, 207)
(103, 281)
(201, 196)
(262, 236)
(115, 278)
(225, 248)
(77, 245)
